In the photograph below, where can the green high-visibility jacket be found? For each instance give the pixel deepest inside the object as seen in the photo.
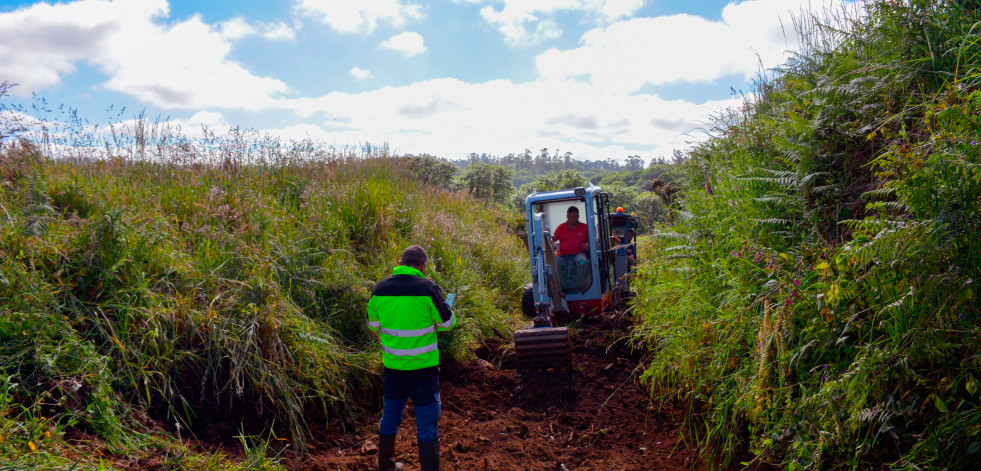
(407, 310)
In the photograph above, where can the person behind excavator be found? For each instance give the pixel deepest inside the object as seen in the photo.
(407, 310)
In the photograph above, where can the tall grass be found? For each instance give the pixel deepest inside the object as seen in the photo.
(219, 282)
(816, 298)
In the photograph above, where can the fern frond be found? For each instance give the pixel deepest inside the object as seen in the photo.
(810, 178)
(820, 190)
(772, 200)
(899, 302)
(669, 235)
(872, 225)
(883, 206)
(879, 193)
(773, 222)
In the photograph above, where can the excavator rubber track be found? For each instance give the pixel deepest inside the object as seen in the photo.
(542, 349)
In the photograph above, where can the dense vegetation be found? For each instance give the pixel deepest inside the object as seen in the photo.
(222, 288)
(816, 300)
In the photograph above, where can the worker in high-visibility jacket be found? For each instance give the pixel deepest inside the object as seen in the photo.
(407, 310)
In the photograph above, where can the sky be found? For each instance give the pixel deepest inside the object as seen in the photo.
(599, 78)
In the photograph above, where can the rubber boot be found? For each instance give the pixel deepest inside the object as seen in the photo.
(386, 454)
(429, 455)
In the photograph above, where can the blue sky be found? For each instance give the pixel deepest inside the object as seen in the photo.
(599, 78)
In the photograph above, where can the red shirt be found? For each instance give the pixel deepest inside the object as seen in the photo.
(571, 240)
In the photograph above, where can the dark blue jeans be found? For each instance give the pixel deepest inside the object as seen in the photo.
(424, 391)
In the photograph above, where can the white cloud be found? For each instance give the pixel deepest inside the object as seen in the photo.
(361, 74)
(210, 119)
(238, 28)
(408, 43)
(277, 31)
(352, 16)
(14, 122)
(41, 43)
(524, 22)
(303, 131)
(184, 64)
(625, 56)
(451, 118)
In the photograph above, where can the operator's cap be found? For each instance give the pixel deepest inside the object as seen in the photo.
(619, 209)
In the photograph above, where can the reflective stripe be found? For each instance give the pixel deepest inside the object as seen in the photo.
(409, 352)
(409, 333)
(374, 324)
(449, 323)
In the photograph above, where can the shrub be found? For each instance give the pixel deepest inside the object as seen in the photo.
(816, 297)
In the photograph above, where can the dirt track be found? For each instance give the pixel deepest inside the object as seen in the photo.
(598, 418)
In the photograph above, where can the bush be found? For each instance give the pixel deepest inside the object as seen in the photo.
(816, 296)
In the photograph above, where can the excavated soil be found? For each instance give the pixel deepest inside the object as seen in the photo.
(598, 417)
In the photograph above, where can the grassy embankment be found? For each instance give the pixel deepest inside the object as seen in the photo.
(816, 297)
(228, 294)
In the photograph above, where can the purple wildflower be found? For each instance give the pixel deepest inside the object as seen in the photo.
(757, 257)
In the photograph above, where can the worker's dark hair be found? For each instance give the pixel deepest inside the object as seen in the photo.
(414, 256)
(572, 209)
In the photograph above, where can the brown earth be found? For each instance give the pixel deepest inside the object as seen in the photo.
(599, 417)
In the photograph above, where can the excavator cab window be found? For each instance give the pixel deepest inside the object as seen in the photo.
(574, 271)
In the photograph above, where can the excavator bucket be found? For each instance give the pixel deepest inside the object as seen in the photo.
(545, 346)
(542, 349)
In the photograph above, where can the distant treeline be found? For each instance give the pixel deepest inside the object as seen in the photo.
(508, 180)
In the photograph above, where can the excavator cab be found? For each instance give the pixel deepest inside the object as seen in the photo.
(566, 287)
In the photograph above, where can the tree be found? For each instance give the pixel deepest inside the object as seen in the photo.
(431, 170)
(548, 182)
(634, 162)
(487, 181)
(677, 157)
(622, 196)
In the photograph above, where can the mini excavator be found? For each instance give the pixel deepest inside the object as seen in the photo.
(566, 288)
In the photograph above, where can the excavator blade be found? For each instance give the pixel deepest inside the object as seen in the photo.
(542, 349)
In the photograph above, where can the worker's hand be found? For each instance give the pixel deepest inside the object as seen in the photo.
(584, 247)
(449, 300)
